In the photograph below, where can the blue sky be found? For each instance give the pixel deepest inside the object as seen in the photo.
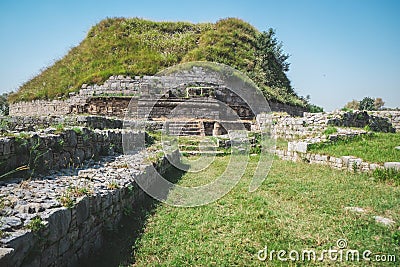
(340, 50)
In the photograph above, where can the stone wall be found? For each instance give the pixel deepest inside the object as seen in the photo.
(49, 151)
(44, 108)
(33, 123)
(289, 109)
(108, 106)
(69, 235)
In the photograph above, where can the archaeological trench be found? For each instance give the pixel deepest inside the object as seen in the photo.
(68, 173)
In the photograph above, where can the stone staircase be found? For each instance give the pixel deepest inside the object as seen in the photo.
(204, 148)
(199, 145)
(185, 128)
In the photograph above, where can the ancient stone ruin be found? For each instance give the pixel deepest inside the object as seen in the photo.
(81, 179)
(112, 97)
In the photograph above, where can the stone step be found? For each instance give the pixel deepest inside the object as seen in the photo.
(186, 134)
(195, 152)
(183, 128)
(184, 131)
(184, 123)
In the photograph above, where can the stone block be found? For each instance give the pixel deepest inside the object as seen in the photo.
(6, 146)
(21, 242)
(59, 222)
(79, 156)
(5, 256)
(346, 159)
(82, 210)
(298, 146)
(392, 165)
(384, 221)
(374, 166)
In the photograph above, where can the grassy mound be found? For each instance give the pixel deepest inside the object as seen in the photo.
(121, 46)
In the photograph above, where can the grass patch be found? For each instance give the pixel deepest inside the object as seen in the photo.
(390, 175)
(299, 206)
(69, 196)
(36, 224)
(330, 130)
(281, 143)
(377, 147)
(59, 128)
(77, 130)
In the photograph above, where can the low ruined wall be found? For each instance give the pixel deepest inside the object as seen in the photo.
(349, 163)
(312, 124)
(361, 119)
(70, 235)
(289, 109)
(392, 115)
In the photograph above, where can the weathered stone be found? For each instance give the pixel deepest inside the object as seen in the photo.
(384, 221)
(346, 160)
(49, 255)
(22, 242)
(82, 210)
(79, 156)
(392, 165)
(12, 222)
(374, 166)
(298, 146)
(5, 256)
(61, 234)
(59, 222)
(64, 245)
(355, 209)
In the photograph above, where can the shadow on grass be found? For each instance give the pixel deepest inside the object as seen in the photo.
(119, 243)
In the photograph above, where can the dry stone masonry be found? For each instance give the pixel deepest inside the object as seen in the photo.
(67, 235)
(112, 97)
(48, 150)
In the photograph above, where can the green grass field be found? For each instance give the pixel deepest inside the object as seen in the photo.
(380, 147)
(299, 206)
